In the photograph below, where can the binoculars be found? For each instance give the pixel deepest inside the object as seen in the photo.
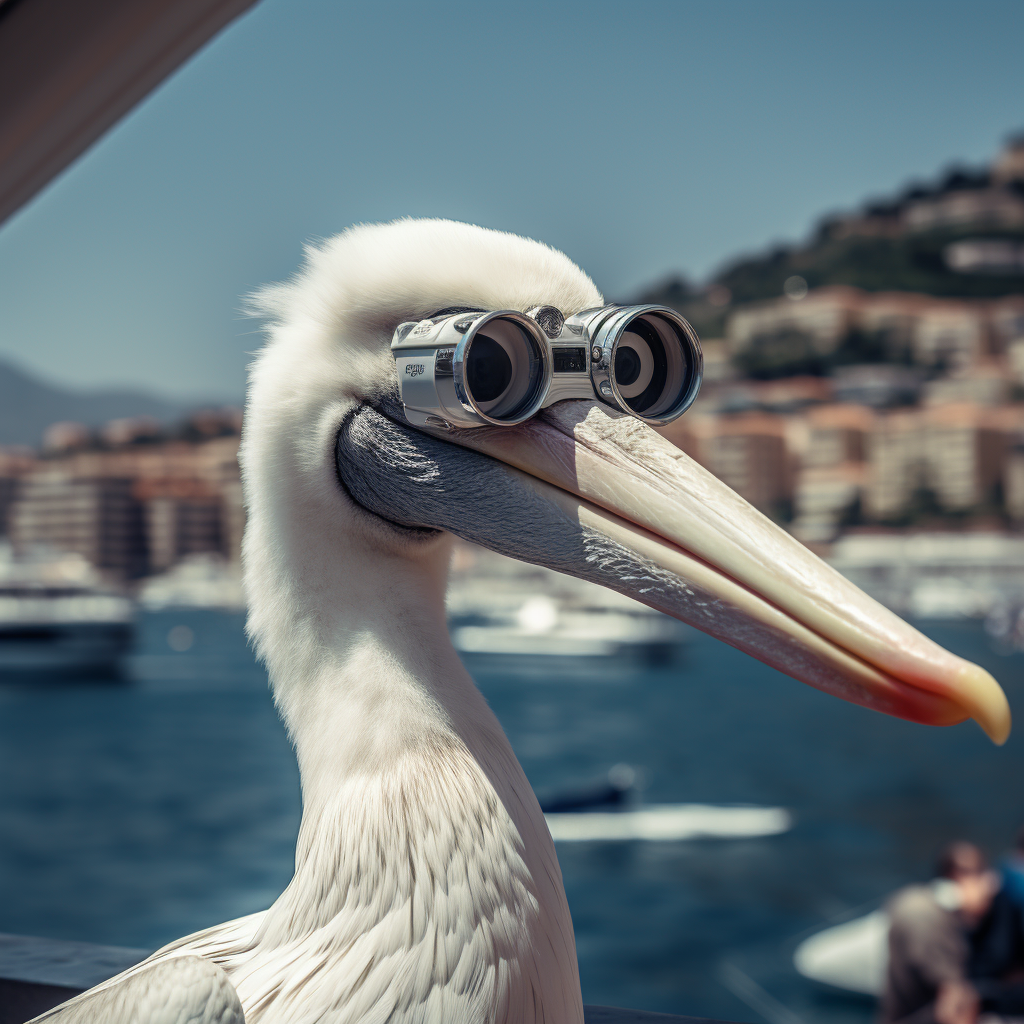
(472, 367)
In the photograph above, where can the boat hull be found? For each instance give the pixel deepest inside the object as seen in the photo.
(63, 649)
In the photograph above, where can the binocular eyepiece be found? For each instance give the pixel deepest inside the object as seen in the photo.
(475, 367)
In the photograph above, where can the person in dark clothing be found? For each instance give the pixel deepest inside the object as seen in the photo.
(996, 959)
(927, 979)
(1012, 869)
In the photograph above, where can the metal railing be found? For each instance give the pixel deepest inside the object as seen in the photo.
(38, 974)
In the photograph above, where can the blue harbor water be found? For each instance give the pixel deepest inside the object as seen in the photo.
(132, 814)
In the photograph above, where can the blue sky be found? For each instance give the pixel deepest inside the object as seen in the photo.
(641, 138)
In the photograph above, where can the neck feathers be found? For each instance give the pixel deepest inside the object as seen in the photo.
(425, 890)
(426, 886)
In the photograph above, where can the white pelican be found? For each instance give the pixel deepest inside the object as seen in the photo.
(426, 886)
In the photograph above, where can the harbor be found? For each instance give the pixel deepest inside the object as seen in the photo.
(114, 836)
(59, 618)
(442, 583)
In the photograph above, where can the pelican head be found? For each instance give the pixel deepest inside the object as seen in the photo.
(426, 884)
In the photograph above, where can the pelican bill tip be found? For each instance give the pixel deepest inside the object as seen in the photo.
(988, 705)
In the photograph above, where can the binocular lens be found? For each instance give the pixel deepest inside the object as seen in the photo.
(504, 369)
(488, 370)
(655, 365)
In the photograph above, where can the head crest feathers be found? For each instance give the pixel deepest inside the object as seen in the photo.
(371, 276)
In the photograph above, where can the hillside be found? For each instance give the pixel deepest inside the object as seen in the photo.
(906, 242)
(28, 406)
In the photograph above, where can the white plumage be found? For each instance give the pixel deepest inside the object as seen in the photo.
(183, 990)
(426, 885)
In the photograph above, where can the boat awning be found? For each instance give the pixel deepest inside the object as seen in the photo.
(70, 69)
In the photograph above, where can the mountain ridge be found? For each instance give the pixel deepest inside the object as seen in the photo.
(28, 405)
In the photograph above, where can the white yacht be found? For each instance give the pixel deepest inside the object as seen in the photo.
(499, 606)
(544, 625)
(57, 619)
(197, 581)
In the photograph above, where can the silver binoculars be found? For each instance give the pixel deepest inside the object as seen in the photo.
(471, 368)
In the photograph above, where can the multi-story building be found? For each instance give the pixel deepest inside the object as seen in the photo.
(749, 452)
(963, 449)
(8, 492)
(830, 481)
(825, 316)
(1013, 480)
(823, 497)
(950, 334)
(1008, 333)
(132, 505)
(966, 208)
(955, 453)
(98, 518)
(986, 384)
(834, 461)
(893, 464)
(891, 319)
(15, 463)
(1009, 165)
(934, 332)
(66, 436)
(718, 366)
(985, 256)
(836, 435)
(975, 201)
(789, 395)
(183, 517)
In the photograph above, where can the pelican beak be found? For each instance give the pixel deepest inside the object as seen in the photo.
(590, 491)
(753, 584)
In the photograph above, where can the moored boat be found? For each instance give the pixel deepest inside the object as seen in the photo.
(58, 619)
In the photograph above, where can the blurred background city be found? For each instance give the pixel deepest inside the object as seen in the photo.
(864, 387)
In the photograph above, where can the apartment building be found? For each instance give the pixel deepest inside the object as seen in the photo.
(836, 434)
(830, 481)
(933, 332)
(976, 208)
(134, 505)
(892, 318)
(14, 464)
(823, 496)
(984, 256)
(98, 518)
(825, 315)
(8, 492)
(950, 334)
(987, 384)
(749, 452)
(1013, 480)
(1008, 319)
(957, 452)
(182, 517)
(963, 448)
(893, 464)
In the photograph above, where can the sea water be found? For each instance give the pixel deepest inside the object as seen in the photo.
(133, 813)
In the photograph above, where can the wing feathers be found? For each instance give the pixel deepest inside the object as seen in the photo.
(181, 990)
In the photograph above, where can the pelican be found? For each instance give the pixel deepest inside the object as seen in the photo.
(426, 887)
